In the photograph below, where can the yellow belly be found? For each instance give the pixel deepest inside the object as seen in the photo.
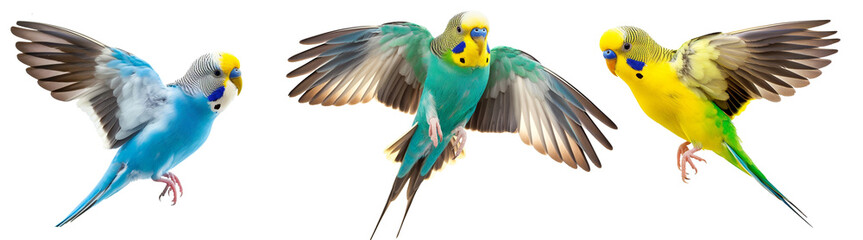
(673, 105)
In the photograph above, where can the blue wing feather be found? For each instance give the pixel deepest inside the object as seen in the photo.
(120, 91)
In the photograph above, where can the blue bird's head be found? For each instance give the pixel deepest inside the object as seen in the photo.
(219, 77)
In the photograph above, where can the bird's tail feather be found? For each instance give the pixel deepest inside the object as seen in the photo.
(415, 180)
(101, 191)
(746, 163)
(396, 152)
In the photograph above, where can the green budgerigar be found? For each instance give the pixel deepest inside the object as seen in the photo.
(452, 82)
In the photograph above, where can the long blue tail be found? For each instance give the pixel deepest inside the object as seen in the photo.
(99, 193)
(753, 171)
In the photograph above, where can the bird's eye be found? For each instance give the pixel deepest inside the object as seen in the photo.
(217, 73)
(458, 28)
(626, 46)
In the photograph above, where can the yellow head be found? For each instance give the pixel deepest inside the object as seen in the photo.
(611, 43)
(464, 40)
(217, 75)
(633, 48)
(231, 65)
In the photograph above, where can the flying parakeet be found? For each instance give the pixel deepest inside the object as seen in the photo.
(155, 126)
(697, 90)
(454, 82)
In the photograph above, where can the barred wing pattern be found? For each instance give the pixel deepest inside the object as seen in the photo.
(120, 92)
(356, 64)
(761, 62)
(548, 113)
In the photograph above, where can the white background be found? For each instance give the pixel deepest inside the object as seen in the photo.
(277, 169)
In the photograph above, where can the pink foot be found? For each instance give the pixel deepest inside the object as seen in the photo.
(461, 138)
(435, 133)
(175, 179)
(685, 156)
(171, 182)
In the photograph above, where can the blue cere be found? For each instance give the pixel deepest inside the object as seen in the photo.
(608, 54)
(218, 93)
(459, 48)
(478, 32)
(235, 73)
(634, 64)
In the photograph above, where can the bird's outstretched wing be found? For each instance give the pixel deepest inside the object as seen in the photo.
(353, 65)
(120, 92)
(768, 61)
(525, 97)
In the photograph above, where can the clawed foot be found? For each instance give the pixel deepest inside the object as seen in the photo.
(685, 156)
(173, 183)
(461, 138)
(435, 133)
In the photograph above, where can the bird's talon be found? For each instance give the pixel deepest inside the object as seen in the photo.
(684, 157)
(435, 132)
(461, 139)
(171, 182)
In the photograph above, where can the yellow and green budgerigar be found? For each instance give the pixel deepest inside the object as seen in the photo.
(697, 90)
(453, 83)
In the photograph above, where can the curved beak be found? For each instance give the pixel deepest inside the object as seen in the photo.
(612, 65)
(237, 79)
(610, 60)
(478, 35)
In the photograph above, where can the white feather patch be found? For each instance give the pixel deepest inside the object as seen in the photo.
(226, 99)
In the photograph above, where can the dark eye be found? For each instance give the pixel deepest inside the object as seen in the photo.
(217, 73)
(458, 28)
(626, 46)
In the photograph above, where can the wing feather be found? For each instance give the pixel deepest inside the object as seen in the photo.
(120, 92)
(547, 112)
(761, 62)
(354, 65)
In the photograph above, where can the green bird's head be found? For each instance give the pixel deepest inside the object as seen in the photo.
(629, 44)
(463, 43)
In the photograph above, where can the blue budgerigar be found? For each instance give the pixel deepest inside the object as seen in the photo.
(155, 126)
(452, 82)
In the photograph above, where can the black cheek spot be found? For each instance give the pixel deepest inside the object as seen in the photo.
(639, 76)
(486, 60)
(217, 106)
(461, 60)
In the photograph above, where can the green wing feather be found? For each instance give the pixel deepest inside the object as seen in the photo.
(548, 113)
(353, 65)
